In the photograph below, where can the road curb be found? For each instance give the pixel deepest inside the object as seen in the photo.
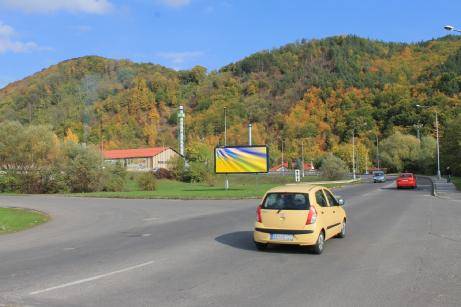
(433, 185)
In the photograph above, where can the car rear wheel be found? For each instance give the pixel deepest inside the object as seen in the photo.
(342, 234)
(318, 247)
(260, 246)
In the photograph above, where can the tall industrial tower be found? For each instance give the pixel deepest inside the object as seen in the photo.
(181, 116)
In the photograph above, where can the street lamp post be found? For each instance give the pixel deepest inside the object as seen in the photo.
(439, 175)
(451, 28)
(353, 154)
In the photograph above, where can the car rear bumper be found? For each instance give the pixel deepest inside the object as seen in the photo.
(406, 184)
(300, 237)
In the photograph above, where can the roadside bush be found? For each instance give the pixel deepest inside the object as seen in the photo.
(178, 168)
(8, 183)
(333, 168)
(199, 172)
(47, 180)
(52, 181)
(163, 173)
(147, 181)
(82, 167)
(114, 177)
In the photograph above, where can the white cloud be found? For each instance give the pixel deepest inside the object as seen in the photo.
(175, 3)
(179, 57)
(46, 6)
(7, 42)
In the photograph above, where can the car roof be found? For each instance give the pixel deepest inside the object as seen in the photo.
(294, 188)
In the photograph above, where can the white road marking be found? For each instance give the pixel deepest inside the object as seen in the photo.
(85, 280)
(151, 219)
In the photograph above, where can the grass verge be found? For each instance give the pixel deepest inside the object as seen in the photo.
(16, 219)
(181, 190)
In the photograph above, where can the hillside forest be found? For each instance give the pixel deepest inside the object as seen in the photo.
(312, 92)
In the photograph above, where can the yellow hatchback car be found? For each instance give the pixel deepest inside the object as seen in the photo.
(299, 214)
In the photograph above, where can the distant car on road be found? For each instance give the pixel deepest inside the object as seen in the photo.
(406, 180)
(379, 176)
(299, 214)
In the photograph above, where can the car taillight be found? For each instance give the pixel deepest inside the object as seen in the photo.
(311, 216)
(258, 214)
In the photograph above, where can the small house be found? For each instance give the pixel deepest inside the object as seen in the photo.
(142, 159)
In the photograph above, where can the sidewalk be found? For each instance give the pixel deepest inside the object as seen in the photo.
(446, 190)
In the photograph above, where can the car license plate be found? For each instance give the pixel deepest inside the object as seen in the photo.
(281, 237)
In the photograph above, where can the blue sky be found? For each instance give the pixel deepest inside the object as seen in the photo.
(35, 34)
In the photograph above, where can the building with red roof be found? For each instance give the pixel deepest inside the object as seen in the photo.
(142, 159)
(284, 167)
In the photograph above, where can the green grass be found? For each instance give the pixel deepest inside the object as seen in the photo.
(457, 182)
(16, 219)
(241, 186)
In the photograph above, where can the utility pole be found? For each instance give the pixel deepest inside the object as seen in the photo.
(418, 127)
(283, 167)
(225, 126)
(226, 182)
(302, 157)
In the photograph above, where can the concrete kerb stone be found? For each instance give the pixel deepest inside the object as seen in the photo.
(433, 186)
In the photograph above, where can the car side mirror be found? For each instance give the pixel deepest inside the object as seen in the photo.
(341, 202)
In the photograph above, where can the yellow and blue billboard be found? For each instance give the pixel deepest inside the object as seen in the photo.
(241, 159)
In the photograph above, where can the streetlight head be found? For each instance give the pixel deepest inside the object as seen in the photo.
(448, 28)
(419, 106)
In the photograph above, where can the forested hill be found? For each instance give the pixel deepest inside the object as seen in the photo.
(318, 90)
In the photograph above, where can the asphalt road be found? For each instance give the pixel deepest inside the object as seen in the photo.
(403, 248)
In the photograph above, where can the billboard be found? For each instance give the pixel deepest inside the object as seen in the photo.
(241, 159)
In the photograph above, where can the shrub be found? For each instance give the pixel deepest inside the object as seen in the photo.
(163, 173)
(53, 181)
(199, 172)
(82, 167)
(333, 168)
(147, 181)
(178, 168)
(114, 177)
(8, 182)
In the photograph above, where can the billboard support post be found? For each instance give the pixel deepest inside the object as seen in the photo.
(297, 175)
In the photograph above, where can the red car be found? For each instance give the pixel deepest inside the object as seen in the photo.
(406, 180)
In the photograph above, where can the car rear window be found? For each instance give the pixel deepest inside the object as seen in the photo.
(378, 173)
(286, 201)
(406, 175)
